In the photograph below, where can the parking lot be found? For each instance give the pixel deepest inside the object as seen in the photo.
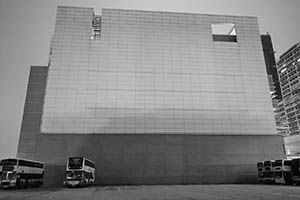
(159, 192)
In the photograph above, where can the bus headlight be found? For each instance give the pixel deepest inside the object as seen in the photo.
(12, 175)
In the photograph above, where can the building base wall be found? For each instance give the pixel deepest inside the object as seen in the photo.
(159, 159)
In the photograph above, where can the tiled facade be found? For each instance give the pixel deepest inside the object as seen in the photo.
(289, 74)
(156, 73)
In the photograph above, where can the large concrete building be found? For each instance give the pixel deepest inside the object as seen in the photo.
(152, 98)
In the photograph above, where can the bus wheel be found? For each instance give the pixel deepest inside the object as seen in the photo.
(17, 186)
(26, 183)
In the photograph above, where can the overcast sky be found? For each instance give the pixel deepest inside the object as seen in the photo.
(27, 25)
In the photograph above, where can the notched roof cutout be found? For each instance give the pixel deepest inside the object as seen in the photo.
(224, 32)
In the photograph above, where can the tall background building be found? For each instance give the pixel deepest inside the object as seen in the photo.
(289, 74)
(288, 67)
(152, 97)
(274, 84)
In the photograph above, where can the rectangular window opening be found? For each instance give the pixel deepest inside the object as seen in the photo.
(224, 32)
(96, 27)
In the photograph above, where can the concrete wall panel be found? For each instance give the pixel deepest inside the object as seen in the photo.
(160, 159)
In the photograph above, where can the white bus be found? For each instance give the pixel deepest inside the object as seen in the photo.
(16, 172)
(260, 172)
(80, 172)
(269, 171)
(282, 171)
(295, 171)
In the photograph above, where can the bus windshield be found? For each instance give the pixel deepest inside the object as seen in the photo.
(287, 163)
(267, 163)
(75, 163)
(260, 164)
(8, 162)
(278, 163)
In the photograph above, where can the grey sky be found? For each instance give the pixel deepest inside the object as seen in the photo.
(26, 28)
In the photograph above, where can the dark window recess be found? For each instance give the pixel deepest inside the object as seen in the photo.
(224, 32)
(224, 38)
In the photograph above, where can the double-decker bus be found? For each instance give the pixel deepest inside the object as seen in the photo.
(295, 170)
(282, 171)
(80, 172)
(260, 171)
(16, 172)
(269, 171)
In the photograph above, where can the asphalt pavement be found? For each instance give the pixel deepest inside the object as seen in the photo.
(157, 192)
